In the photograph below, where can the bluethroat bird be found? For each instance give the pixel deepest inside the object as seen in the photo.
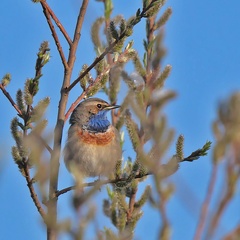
(93, 144)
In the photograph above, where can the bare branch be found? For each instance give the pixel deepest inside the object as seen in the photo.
(33, 193)
(132, 200)
(101, 183)
(234, 234)
(109, 48)
(54, 34)
(205, 205)
(56, 20)
(55, 156)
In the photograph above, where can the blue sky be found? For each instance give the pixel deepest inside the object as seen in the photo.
(202, 38)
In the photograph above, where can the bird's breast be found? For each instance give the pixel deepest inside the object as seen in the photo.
(98, 138)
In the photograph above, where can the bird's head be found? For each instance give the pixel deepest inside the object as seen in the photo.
(91, 114)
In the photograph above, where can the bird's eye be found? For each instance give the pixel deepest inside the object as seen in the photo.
(99, 106)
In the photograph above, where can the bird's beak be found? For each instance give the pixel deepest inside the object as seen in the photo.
(112, 107)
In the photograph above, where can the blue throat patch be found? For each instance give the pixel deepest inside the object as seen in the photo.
(98, 122)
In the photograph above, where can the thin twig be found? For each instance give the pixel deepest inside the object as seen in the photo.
(6, 93)
(54, 34)
(150, 37)
(107, 50)
(95, 62)
(101, 183)
(33, 193)
(227, 196)
(55, 156)
(58, 23)
(132, 200)
(234, 234)
(205, 205)
(77, 33)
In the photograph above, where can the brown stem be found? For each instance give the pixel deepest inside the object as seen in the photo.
(150, 37)
(95, 62)
(91, 184)
(132, 200)
(6, 93)
(25, 167)
(231, 184)
(234, 234)
(54, 163)
(205, 205)
(164, 231)
(33, 193)
(58, 23)
(107, 50)
(54, 34)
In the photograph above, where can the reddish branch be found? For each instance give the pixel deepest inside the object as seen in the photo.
(54, 162)
(54, 34)
(33, 193)
(232, 177)
(163, 233)
(101, 183)
(150, 38)
(234, 234)
(56, 20)
(107, 50)
(205, 206)
(132, 200)
(96, 61)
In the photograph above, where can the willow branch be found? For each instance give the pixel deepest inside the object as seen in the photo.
(227, 197)
(55, 156)
(54, 34)
(132, 200)
(234, 234)
(33, 193)
(101, 183)
(107, 50)
(165, 172)
(8, 96)
(205, 206)
(56, 20)
(96, 61)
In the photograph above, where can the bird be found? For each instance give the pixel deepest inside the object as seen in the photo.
(93, 143)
